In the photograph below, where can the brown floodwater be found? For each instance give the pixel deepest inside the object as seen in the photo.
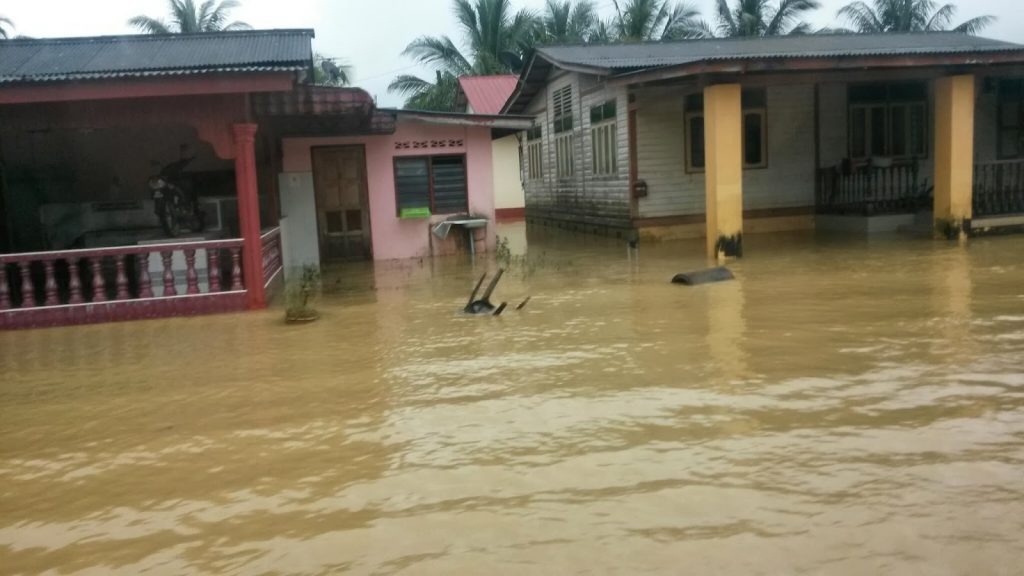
(844, 407)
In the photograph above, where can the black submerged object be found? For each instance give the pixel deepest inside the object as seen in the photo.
(483, 305)
(720, 274)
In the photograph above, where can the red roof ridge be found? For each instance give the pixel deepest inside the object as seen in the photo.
(488, 94)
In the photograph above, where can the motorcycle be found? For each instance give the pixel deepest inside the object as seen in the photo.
(176, 209)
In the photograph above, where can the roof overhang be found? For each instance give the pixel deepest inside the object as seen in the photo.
(459, 119)
(535, 75)
(321, 110)
(961, 62)
(32, 93)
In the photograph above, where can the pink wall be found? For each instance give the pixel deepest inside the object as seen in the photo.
(392, 237)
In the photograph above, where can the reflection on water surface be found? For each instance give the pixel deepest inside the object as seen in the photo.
(843, 408)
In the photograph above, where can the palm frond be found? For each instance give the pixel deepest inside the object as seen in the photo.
(4, 24)
(940, 19)
(407, 84)
(862, 17)
(442, 95)
(188, 18)
(466, 16)
(327, 72)
(684, 22)
(148, 25)
(786, 19)
(975, 25)
(907, 16)
(726, 23)
(439, 52)
(582, 20)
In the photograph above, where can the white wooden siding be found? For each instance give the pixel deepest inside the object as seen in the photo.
(788, 181)
(834, 123)
(584, 197)
(986, 123)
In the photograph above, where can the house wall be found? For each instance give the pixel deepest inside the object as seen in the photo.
(392, 237)
(986, 120)
(787, 181)
(834, 127)
(59, 157)
(833, 107)
(585, 199)
(509, 196)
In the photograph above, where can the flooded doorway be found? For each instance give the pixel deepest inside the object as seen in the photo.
(342, 203)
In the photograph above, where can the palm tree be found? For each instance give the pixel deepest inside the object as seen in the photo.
(641, 20)
(908, 16)
(327, 72)
(5, 23)
(439, 95)
(495, 37)
(565, 21)
(760, 18)
(187, 18)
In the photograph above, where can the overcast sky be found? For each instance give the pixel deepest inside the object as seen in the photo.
(368, 34)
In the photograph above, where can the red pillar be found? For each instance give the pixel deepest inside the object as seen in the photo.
(249, 213)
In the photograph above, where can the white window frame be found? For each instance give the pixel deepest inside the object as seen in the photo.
(604, 149)
(763, 114)
(763, 164)
(887, 106)
(565, 163)
(535, 160)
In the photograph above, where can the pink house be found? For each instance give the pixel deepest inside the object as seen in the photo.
(487, 95)
(278, 174)
(383, 195)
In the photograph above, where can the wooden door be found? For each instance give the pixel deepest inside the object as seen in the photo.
(342, 203)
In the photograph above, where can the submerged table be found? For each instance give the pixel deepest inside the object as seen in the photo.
(468, 224)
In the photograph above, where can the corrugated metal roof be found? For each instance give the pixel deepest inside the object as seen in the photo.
(48, 60)
(487, 94)
(313, 101)
(619, 57)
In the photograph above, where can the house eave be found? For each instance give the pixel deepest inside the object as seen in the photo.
(957, 61)
(508, 122)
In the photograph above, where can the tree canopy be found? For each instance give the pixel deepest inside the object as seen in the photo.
(495, 38)
(5, 23)
(908, 16)
(761, 18)
(642, 20)
(186, 17)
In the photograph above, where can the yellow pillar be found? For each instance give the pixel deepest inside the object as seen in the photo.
(723, 136)
(954, 155)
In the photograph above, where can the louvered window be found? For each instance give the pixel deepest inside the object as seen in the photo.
(562, 109)
(565, 166)
(436, 182)
(602, 139)
(535, 154)
(888, 120)
(755, 124)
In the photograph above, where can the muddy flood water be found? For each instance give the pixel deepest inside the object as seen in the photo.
(844, 407)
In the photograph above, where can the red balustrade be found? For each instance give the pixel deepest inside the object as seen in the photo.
(273, 258)
(48, 288)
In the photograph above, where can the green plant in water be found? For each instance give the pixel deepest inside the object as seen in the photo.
(299, 295)
(503, 253)
(526, 264)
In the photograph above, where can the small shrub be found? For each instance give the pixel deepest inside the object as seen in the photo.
(526, 264)
(300, 294)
